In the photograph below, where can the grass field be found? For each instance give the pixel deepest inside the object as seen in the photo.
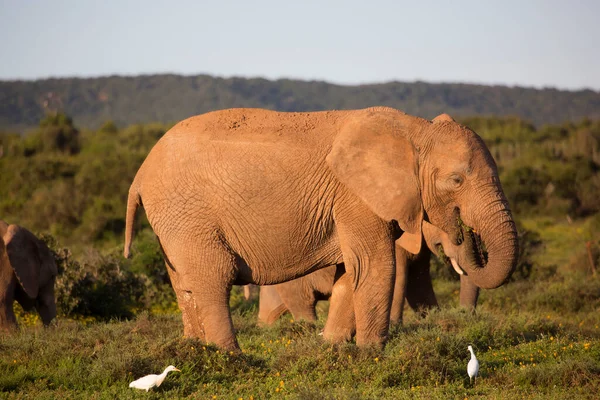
(534, 339)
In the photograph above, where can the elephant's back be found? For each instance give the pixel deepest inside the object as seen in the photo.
(247, 133)
(246, 149)
(259, 125)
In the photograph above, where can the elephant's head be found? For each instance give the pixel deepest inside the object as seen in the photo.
(412, 170)
(462, 196)
(35, 269)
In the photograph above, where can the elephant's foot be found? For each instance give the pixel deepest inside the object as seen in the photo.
(8, 328)
(193, 328)
(268, 317)
(8, 321)
(203, 281)
(307, 314)
(371, 341)
(337, 334)
(211, 322)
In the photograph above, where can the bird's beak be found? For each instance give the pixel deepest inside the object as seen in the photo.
(178, 370)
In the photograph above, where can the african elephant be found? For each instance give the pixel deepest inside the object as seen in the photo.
(413, 284)
(244, 196)
(27, 273)
(300, 296)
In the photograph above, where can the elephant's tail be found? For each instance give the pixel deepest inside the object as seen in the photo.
(133, 201)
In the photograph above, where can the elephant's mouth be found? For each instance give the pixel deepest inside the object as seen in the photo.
(475, 252)
(448, 261)
(479, 251)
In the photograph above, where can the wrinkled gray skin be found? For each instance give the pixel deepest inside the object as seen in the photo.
(27, 274)
(244, 196)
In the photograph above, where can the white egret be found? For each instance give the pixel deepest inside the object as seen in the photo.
(149, 381)
(473, 366)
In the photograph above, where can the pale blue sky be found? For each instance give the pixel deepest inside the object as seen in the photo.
(527, 43)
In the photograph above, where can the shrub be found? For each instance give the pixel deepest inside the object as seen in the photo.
(530, 244)
(99, 287)
(525, 186)
(56, 134)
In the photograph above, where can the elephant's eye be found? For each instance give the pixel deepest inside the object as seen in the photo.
(456, 179)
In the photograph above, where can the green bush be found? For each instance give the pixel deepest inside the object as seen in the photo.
(525, 187)
(529, 245)
(99, 287)
(56, 134)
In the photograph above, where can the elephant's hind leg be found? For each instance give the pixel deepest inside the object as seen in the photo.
(205, 275)
(186, 305)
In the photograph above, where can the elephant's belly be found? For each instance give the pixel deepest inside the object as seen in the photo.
(284, 263)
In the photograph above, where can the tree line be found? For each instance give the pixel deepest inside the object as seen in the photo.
(170, 98)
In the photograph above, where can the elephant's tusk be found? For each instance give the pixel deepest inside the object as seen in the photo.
(456, 267)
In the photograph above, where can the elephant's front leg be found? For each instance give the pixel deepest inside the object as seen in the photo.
(469, 293)
(397, 309)
(372, 302)
(368, 254)
(7, 315)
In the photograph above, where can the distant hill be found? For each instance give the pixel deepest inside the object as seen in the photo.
(170, 98)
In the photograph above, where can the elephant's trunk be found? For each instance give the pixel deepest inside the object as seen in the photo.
(496, 232)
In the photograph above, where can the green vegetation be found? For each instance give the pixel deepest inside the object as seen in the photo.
(170, 98)
(536, 352)
(537, 336)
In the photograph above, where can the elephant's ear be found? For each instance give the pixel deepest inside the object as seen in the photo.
(23, 256)
(48, 268)
(378, 164)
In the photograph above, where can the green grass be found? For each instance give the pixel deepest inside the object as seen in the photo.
(563, 241)
(537, 353)
(537, 338)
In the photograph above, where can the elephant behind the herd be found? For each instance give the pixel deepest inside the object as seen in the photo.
(254, 196)
(27, 274)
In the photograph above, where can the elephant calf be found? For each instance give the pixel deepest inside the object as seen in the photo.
(413, 283)
(27, 274)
